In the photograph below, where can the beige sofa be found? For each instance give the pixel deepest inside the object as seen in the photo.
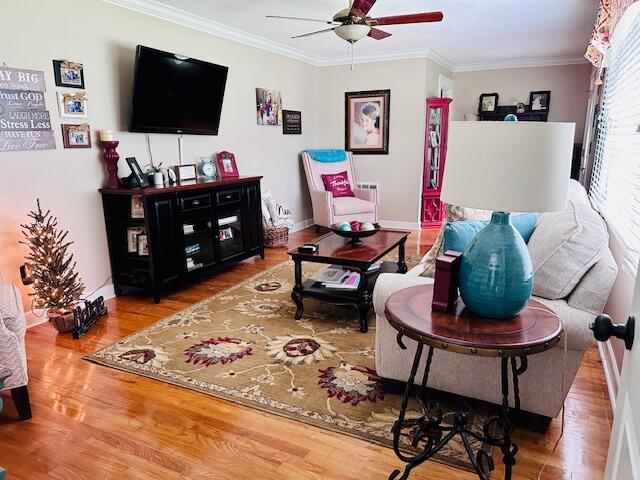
(545, 384)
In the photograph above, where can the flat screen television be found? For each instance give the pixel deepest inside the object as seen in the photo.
(176, 94)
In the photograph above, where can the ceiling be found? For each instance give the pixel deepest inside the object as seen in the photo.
(475, 34)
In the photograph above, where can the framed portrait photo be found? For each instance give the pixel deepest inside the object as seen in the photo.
(72, 104)
(137, 172)
(76, 136)
(227, 167)
(68, 74)
(488, 102)
(367, 122)
(539, 101)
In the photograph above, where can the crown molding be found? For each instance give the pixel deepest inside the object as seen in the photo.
(196, 22)
(520, 63)
(186, 19)
(371, 57)
(441, 60)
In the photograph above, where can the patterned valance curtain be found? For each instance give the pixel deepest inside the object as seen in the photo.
(609, 13)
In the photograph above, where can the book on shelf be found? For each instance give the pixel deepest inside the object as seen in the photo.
(330, 274)
(192, 249)
(350, 282)
(375, 266)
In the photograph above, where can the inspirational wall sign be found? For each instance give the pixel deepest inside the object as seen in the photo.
(24, 121)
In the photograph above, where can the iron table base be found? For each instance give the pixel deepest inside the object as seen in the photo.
(430, 430)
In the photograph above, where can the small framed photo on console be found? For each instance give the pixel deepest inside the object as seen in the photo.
(227, 167)
(137, 173)
(185, 172)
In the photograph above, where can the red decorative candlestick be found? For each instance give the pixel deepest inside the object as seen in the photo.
(111, 158)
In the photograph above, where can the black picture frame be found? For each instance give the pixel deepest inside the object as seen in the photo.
(481, 102)
(137, 172)
(58, 76)
(351, 99)
(546, 95)
(291, 122)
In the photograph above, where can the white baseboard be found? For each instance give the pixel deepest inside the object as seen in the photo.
(38, 317)
(301, 225)
(611, 373)
(400, 225)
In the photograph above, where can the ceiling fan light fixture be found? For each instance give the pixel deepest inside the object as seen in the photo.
(352, 32)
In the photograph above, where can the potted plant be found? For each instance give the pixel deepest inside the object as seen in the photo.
(50, 269)
(154, 172)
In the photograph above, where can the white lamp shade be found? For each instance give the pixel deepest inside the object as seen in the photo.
(508, 166)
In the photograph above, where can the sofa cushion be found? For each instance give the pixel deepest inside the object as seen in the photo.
(577, 194)
(352, 206)
(458, 235)
(563, 247)
(453, 213)
(592, 292)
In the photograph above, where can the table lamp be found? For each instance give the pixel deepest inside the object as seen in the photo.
(504, 167)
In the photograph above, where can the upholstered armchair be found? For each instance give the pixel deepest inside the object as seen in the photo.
(328, 210)
(13, 357)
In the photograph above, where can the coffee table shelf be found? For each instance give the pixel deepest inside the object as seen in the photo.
(336, 250)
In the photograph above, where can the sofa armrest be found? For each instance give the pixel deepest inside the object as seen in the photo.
(389, 283)
(368, 194)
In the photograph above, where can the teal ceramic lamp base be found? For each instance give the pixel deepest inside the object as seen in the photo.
(496, 275)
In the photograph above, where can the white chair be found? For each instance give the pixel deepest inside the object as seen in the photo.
(13, 356)
(328, 210)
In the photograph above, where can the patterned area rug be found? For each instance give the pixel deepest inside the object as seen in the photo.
(244, 345)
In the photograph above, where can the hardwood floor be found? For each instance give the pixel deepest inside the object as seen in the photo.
(93, 422)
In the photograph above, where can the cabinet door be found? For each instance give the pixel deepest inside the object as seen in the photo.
(252, 216)
(164, 242)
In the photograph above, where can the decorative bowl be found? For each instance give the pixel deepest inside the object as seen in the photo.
(355, 236)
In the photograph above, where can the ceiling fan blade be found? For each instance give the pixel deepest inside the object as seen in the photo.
(315, 33)
(378, 34)
(328, 22)
(410, 18)
(360, 8)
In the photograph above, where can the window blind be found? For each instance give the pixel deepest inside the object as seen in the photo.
(615, 179)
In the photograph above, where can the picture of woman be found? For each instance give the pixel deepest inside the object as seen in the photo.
(367, 124)
(367, 119)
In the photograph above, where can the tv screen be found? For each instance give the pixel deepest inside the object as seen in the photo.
(176, 94)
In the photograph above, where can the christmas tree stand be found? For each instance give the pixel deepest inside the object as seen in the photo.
(63, 322)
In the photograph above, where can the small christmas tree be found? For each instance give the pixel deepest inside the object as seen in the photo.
(55, 282)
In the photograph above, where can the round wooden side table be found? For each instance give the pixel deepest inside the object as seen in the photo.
(535, 329)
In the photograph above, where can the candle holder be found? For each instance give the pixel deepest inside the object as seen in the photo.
(111, 158)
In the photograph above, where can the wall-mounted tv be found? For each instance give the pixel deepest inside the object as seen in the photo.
(176, 94)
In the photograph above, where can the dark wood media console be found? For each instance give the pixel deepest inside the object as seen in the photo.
(161, 236)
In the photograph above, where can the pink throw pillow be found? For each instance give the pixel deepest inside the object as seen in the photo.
(338, 185)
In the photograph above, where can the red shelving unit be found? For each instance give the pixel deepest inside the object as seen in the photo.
(435, 152)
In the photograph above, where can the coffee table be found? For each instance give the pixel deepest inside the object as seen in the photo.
(534, 330)
(333, 249)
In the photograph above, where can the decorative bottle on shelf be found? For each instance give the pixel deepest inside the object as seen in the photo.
(435, 151)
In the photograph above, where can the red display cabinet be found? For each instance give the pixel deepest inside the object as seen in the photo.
(435, 152)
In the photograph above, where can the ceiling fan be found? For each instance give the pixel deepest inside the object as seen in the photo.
(353, 23)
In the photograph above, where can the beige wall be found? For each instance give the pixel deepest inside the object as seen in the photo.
(103, 37)
(569, 85)
(398, 173)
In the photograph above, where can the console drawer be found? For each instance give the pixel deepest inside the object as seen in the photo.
(195, 202)
(226, 197)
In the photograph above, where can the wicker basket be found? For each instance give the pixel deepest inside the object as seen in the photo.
(275, 237)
